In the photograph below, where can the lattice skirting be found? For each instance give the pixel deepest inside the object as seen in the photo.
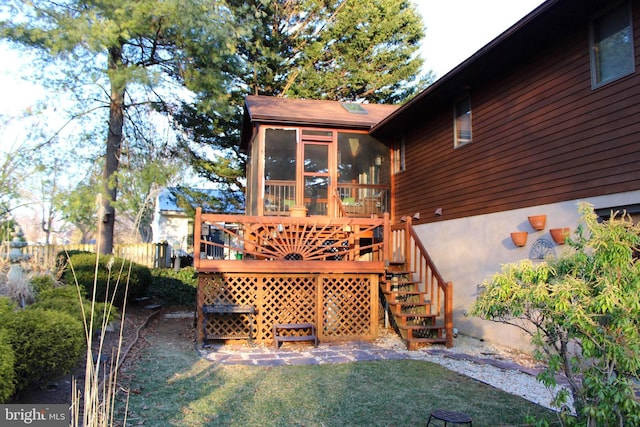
(342, 306)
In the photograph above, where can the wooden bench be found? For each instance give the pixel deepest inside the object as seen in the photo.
(278, 339)
(227, 309)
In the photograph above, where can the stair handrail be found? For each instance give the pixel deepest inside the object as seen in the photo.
(342, 213)
(415, 264)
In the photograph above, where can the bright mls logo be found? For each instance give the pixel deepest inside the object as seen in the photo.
(34, 415)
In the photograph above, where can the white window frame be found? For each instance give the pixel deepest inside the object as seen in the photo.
(459, 141)
(596, 79)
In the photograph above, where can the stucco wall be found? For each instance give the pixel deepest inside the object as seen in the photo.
(468, 250)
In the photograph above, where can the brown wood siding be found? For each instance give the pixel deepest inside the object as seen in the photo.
(541, 135)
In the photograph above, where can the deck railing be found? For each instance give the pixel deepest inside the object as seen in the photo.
(356, 200)
(315, 244)
(279, 197)
(363, 200)
(406, 248)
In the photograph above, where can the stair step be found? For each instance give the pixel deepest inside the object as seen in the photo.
(415, 299)
(401, 307)
(406, 299)
(400, 282)
(403, 318)
(398, 272)
(420, 327)
(422, 315)
(414, 342)
(399, 312)
(402, 293)
(418, 297)
(400, 286)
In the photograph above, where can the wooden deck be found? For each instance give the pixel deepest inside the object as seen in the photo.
(319, 270)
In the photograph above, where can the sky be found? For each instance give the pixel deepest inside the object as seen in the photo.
(455, 29)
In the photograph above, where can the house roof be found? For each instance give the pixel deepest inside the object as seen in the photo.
(168, 202)
(536, 31)
(305, 112)
(268, 109)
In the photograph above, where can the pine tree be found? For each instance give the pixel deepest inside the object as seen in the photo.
(132, 51)
(355, 50)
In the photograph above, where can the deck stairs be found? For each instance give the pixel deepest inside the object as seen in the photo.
(410, 310)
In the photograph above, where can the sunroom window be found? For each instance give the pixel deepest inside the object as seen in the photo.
(612, 54)
(280, 171)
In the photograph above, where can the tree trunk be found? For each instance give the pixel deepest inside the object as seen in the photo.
(112, 156)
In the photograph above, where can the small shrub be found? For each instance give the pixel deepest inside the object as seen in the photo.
(112, 274)
(175, 288)
(7, 357)
(7, 373)
(62, 258)
(46, 344)
(66, 299)
(42, 282)
(64, 291)
(7, 307)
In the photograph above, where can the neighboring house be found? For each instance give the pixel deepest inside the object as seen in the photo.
(171, 223)
(544, 116)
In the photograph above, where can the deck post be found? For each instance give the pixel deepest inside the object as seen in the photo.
(197, 235)
(448, 313)
(387, 248)
(409, 257)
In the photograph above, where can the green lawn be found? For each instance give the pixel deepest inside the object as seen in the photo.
(172, 386)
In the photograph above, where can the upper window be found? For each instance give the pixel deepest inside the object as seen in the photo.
(612, 54)
(462, 122)
(398, 155)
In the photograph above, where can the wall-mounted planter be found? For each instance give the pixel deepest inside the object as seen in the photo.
(559, 234)
(538, 221)
(519, 238)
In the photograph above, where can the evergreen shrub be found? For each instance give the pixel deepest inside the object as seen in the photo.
(7, 307)
(175, 288)
(7, 373)
(42, 282)
(66, 299)
(111, 277)
(62, 258)
(46, 344)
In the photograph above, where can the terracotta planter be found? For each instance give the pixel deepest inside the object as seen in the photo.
(559, 235)
(519, 238)
(538, 221)
(298, 211)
